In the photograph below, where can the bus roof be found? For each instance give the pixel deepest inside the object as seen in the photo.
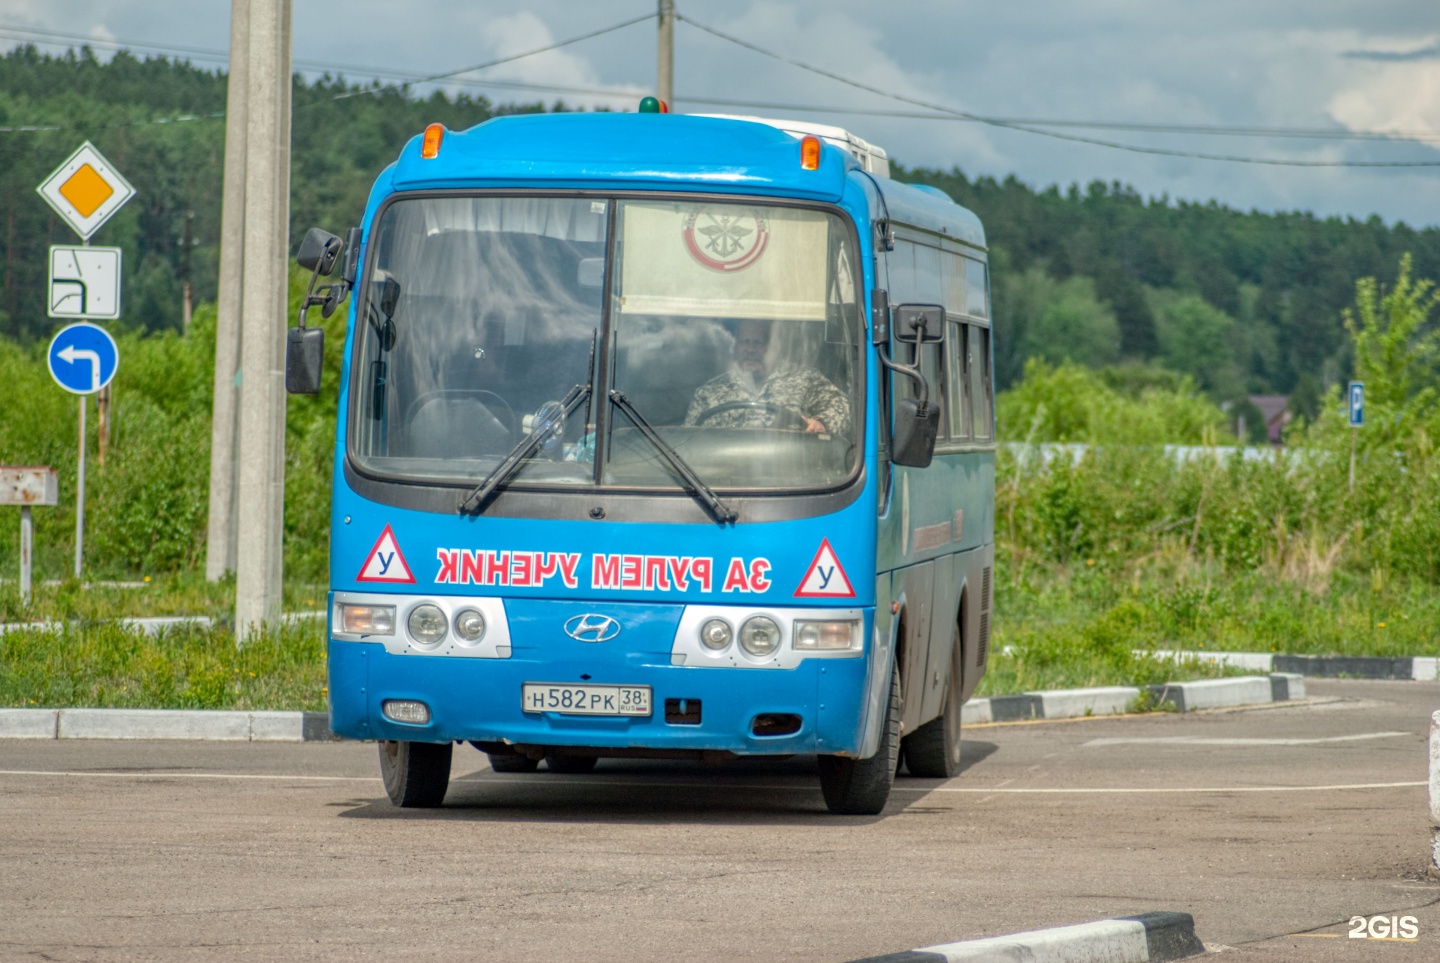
(646, 151)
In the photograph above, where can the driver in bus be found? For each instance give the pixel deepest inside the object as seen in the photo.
(755, 393)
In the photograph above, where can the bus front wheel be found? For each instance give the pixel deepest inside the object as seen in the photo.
(416, 774)
(860, 787)
(933, 750)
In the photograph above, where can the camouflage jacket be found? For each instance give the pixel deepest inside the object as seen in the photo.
(795, 386)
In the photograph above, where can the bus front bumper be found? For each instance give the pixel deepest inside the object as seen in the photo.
(721, 709)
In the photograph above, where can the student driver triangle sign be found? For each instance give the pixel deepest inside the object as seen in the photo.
(825, 579)
(385, 562)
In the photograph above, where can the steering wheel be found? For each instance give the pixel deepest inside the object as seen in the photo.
(784, 415)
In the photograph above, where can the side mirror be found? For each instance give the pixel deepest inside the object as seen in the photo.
(304, 360)
(920, 323)
(913, 443)
(319, 251)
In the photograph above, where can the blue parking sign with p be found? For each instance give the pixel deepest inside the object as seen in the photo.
(83, 358)
(1355, 403)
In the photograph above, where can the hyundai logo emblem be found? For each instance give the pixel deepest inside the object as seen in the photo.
(592, 628)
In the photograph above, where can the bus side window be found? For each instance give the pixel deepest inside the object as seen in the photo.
(959, 381)
(981, 381)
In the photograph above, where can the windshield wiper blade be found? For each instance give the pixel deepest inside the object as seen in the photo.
(510, 464)
(723, 513)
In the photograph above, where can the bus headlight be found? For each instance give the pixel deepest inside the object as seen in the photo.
(841, 634)
(716, 634)
(427, 624)
(469, 625)
(366, 619)
(760, 636)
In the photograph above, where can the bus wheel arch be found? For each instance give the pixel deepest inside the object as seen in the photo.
(933, 750)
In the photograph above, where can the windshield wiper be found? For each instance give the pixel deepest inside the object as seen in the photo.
(510, 464)
(723, 513)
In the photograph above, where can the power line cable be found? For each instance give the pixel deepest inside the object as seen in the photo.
(1030, 129)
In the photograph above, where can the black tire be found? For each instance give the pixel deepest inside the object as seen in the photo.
(563, 762)
(416, 773)
(513, 763)
(933, 750)
(861, 787)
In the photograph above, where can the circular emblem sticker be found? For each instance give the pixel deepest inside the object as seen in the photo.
(724, 241)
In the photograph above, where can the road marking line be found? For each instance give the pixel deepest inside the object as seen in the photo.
(1177, 789)
(1223, 741)
(183, 775)
(551, 778)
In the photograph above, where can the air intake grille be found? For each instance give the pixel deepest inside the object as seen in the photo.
(985, 590)
(984, 638)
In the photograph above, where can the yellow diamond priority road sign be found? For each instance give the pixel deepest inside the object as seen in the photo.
(86, 190)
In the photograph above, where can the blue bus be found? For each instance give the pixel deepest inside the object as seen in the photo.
(660, 436)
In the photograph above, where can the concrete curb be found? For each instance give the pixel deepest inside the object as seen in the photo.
(1115, 700)
(1422, 668)
(315, 726)
(1130, 939)
(201, 724)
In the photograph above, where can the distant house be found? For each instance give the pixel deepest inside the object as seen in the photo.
(1276, 409)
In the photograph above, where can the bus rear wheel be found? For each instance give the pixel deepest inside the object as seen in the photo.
(416, 774)
(861, 787)
(933, 750)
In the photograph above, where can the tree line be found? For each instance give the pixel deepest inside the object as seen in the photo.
(1242, 302)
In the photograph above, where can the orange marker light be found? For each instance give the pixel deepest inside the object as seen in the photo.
(430, 143)
(810, 153)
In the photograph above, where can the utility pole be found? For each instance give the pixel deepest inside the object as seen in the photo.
(220, 528)
(665, 59)
(263, 288)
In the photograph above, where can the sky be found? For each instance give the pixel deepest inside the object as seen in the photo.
(1327, 82)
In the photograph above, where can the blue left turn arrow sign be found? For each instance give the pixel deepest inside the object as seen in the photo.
(83, 358)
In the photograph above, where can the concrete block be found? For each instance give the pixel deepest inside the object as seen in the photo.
(1071, 703)
(1220, 693)
(277, 726)
(1425, 668)
(975, 712)
(1286, 686)
(1015, 708)
(28, 723)
(153, 724)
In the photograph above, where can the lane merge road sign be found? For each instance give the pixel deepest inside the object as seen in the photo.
(84, 282)
(86, 190)
(83, 358)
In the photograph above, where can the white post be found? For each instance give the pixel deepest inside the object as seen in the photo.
(27, 547)
(220, 528)
(260, 508)
(665, 58)
(1435, 794)
(80, 494)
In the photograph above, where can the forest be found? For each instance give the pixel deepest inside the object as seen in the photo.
(1242, 302)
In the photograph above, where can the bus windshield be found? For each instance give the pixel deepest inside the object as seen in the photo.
(732, 330)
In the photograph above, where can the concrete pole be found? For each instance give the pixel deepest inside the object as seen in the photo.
(27, 550)
(665, 59)
(263, 295)
(220, 530)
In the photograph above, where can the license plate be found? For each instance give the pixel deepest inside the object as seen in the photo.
(586, 700)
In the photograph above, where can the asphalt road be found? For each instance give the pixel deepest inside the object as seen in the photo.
(1272, 826)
